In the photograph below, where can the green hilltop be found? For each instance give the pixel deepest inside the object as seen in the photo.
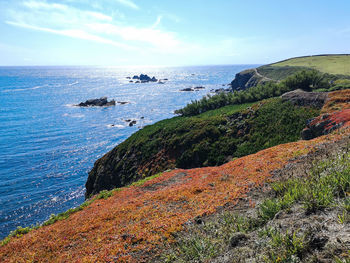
(331, 64)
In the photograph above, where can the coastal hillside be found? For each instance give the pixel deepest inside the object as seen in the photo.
(334, 66)
(280, 197)
(218, 128)
(208, 139)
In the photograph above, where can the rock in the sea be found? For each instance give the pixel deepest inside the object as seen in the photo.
(123, 102)
(132, 123)
(187, 89)
(97, 102)
(199, 87)
(144, 78)
(128, 77)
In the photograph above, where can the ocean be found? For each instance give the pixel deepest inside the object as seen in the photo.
(48, 145)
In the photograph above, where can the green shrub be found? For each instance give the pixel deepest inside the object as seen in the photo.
(288, 247)
(307, 80)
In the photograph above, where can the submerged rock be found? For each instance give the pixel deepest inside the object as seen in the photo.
(97, 102)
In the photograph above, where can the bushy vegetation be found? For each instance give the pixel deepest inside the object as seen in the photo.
(307, 80)
(213, 138)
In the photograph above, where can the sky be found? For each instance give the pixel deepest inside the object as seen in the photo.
(169, 32)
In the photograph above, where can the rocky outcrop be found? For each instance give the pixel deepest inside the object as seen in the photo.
(101, 102)
(144, 78)
(302, 98)
(248, 78)
(325, 124)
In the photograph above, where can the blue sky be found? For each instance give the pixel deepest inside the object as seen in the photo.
(169, 32)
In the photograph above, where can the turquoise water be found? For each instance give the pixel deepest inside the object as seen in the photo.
(48, 146)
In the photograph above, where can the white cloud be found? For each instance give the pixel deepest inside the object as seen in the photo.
(74, 33)
(69, 21)
(159, 19)
(44, 5)
(154, 37)
(99, 16)
(128, 3)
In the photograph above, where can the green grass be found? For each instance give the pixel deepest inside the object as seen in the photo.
(334, 64)
(279, 73)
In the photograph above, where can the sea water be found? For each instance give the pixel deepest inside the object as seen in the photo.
(48, 145)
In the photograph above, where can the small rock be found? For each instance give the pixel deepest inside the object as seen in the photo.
(187, 89)
(132, 123)
(198, 220)
(318, 242)
(307, 134)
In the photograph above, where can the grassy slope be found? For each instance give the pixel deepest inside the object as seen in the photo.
(285, 225)
(332, 64)
(135, 223)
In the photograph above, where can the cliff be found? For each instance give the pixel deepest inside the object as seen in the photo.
(247, 79)
(334, 66)
(209, 139)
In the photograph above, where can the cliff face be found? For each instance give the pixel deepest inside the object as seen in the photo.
(121, 167)
(248, 78)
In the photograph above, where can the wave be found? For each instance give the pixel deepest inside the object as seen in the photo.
(77, 115)
(115, 126)
(15, 90)
(74, 83)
